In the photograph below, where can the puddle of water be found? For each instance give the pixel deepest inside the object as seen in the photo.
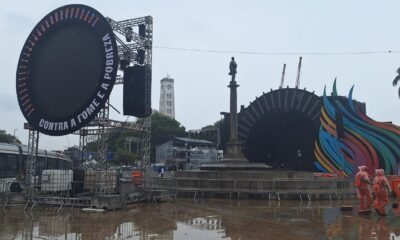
(207, 219)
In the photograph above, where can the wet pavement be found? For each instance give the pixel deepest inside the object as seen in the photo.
(207, 219)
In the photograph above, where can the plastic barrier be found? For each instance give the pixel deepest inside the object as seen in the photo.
(325, 175)
(395, 184)
(137, 177)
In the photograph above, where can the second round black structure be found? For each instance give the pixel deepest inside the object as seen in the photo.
(280, 128)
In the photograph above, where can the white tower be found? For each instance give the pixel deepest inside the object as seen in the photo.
(167, 97)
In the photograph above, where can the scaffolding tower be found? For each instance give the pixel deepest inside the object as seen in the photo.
(33, 146)
(137, 52)
(133, 48)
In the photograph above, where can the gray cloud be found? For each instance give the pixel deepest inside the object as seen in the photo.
(263, 26)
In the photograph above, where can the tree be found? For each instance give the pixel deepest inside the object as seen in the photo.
(123, 157)
(209, 133)
(223, 128)
(215, 133)
(8, 138)
(163, 129)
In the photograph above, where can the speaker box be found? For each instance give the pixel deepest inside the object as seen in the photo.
(142, 30)
(137, 91)
(141, 54)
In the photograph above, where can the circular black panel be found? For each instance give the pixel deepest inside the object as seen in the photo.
(74, 81)
(66, 69)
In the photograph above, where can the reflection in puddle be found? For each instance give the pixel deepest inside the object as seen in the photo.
(208, 219)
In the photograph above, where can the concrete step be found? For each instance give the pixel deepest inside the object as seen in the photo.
(204, 174)
(262, 183)
(252, 184)
(290, 194)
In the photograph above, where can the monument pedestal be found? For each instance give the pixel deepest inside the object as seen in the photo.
(234, 153)
(234, 149)
(235, 166)
(234, 160)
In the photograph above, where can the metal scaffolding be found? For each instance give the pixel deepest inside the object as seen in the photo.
(102, 141)
(136, 48)
(141, 42)
(33, 145)
(83, 134)
(146, 143)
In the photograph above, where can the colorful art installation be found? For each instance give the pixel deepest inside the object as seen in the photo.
(348, 138)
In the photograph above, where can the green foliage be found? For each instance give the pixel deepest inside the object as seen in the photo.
(218, 123)
(223, 127)
(207, 127)
(8, 138)
(91, 146)
(71, 149)
(163, 129)
(123, 157)
(209, 132)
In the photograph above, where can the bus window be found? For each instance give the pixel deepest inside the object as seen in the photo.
(24, 159)
(3, 165)
(52, 163)
(69, 165)
(40, 165)
(61, 164)
(12, 165)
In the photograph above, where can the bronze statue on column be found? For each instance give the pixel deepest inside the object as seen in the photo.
(232, 68)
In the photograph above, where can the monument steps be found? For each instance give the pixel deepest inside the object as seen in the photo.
(263, 184)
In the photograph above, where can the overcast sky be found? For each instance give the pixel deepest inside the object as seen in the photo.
(201, 78)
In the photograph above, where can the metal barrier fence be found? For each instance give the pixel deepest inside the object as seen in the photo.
(61, 188)
(301, 187)
(66, 183)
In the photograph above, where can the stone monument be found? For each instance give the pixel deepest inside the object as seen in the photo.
(233, 147)
(234, 158)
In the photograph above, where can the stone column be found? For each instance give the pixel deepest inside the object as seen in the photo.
(234, 159)
(233, 111)
(233, 146)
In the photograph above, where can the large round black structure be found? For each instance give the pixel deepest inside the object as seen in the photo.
(283, 140)
(280, 128)
(66, 69)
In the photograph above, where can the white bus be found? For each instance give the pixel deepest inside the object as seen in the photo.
(13, 166)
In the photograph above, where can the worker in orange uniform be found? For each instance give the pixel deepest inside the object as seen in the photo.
(396, 190)
(395, 184)
(381, 187)
(364, 194)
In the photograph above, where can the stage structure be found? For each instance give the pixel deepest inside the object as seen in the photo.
(348, 138)
(138, 52)
(294, 129)
(134, 48)
(66, 72)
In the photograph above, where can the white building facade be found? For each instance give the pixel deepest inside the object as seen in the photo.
(167, 97)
